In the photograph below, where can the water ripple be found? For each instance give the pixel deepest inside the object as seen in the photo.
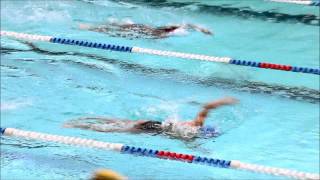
(296, 93)
(243, 12)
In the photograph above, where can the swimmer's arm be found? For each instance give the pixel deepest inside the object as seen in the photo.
(96, 118)
(77, 123)
(202, 115)
(200, 29)
(90, 127)
(89, 27)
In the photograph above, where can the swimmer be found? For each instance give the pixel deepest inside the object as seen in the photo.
(132, 30)
(174, 129)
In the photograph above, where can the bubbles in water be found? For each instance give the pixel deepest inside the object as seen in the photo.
(175, 128)
(120, 21)
(12, 105)
(159, 112)
(31, 13)
(127, 21)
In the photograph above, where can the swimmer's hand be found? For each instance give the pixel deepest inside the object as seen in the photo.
(199, 29)
(206, 31)
(220, 102)
(85, 26)
(229, 100)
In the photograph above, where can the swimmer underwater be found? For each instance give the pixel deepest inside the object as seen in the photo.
(131, 30)
(182, 130)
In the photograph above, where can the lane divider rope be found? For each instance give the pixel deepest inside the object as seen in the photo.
(233, 164)
(134, 49)
(304, 2)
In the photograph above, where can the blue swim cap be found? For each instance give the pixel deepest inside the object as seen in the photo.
(208, 132)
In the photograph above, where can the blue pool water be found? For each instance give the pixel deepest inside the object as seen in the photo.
(44, 85)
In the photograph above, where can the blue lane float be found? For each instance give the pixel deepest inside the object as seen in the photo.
(134, 49)
(168, 155)
(111, 47)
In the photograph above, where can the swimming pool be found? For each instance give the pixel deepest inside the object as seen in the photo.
(44, 85)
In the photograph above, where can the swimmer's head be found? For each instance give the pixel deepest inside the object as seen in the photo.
(106, 174)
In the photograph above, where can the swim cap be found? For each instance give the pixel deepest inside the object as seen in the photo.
(208, 132)
(106, 174)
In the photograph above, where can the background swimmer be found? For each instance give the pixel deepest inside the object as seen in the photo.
(132, 30)
(182, 130)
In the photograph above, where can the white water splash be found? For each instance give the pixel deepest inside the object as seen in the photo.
(120, 21)
(16, 104)
(179, 32)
